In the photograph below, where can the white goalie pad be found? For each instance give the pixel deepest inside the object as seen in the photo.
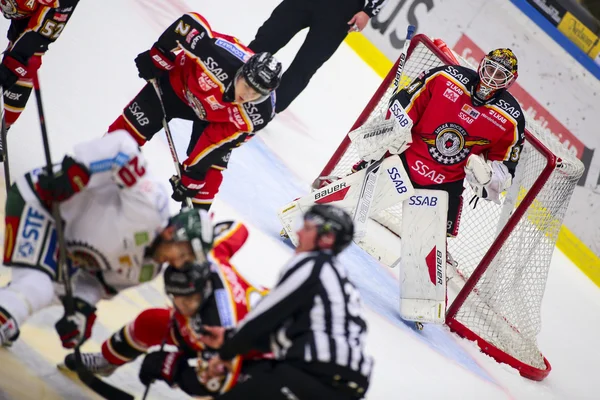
(423, 259)
(374, 140)
(393, 187)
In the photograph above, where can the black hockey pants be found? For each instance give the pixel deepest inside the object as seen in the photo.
(285, 382)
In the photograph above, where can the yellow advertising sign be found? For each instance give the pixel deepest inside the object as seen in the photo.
(577, 32)
(595, 51)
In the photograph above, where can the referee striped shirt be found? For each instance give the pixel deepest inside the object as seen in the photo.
(313, 317)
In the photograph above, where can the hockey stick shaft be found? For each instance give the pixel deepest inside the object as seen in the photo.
(3, 142)
(97, 385)
(159, 94)
(367, 190)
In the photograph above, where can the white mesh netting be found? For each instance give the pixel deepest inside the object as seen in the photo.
(504, 307)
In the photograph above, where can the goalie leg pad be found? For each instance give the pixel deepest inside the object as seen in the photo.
(392, 186)
(423, 265)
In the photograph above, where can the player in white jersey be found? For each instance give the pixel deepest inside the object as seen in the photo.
(117, 233)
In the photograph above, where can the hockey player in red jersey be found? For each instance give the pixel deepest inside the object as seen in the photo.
(117, 232)
(216, 82)
(34, 25)
(213, 293)
(464, 124)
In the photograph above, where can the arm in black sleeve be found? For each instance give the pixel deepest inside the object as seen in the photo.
(292, 292)
(190, 32)
(44, 27)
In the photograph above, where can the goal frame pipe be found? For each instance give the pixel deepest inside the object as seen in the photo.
(381, 90)
(525, 370)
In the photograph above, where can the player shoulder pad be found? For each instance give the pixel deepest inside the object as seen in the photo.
(510, 105)
(462, 74)
(261, 113)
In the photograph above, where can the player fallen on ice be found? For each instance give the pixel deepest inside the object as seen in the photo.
(312, 320)
(34, 25)
(214, 81)
(116, 227)
(201, 295)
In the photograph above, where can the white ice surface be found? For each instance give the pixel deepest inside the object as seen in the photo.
(89, 75)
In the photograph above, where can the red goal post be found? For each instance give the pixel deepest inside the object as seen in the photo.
(502, 252)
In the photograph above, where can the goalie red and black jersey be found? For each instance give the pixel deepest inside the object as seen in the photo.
(448, 127)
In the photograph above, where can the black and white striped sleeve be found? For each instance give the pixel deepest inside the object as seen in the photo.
(297, 287)
(372, 7)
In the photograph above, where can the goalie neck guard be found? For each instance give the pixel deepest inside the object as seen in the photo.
(332, 219)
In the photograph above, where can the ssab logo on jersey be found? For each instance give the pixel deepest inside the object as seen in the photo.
(450, 143)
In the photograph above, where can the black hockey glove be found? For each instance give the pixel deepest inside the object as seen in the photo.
(11, 70)
(162, 365)
(153, 63)
(72, 178)
(75, 329)
(185, 187)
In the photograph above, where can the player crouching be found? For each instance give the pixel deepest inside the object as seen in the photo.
(211, 293)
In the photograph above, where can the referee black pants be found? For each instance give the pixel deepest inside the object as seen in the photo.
(284, 382)
(327, 21)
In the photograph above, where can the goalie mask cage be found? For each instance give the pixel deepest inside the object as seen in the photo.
(502, 251)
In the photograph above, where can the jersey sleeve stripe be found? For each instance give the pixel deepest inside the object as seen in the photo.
(200, 19)
(33, 28)
(210, 148)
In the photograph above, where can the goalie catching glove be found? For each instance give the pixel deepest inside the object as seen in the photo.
(374, 140)
(487, 178)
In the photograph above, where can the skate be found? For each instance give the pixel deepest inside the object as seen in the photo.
(93, 362)
(9, 332)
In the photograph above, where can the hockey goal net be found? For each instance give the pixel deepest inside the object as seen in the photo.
(502, 252)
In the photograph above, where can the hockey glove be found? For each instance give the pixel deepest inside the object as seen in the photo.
(487, 179)
(185, 187)
(72, 178)
(162, 365)
(153, 63)
(11, 70)
(75, 329)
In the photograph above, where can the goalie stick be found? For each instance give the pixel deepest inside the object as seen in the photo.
(363, 206)
(92, 381)
(3, 144)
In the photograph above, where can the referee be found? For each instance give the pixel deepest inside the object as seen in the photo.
(329, 21)
(311, 320)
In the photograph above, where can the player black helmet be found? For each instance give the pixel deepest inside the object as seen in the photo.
(329, 218)
(262, 72)
(192, 278)
(194, 226)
